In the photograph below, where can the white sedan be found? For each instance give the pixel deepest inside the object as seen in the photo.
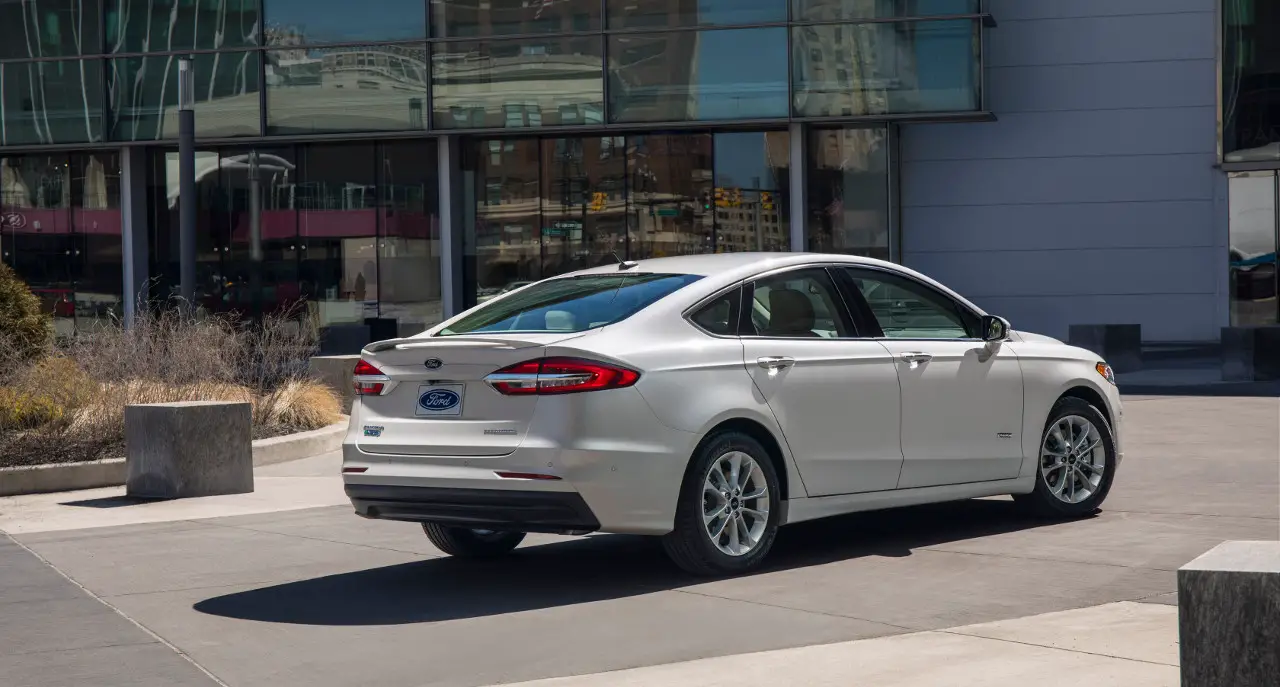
(710, 400)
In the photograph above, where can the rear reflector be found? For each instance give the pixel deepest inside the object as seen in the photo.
(560, 376)
(368, 380)
(525, 475)
(347, 470)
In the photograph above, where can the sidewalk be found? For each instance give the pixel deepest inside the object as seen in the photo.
(1123, 644)
(307, 483)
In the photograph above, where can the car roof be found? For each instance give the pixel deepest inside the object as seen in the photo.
(728, 265)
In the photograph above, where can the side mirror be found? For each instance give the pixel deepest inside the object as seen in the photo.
(995, 328)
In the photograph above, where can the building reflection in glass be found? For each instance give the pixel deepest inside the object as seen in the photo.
(848, 182)
(350, 88)
(543, 207)
(50, 102)
(1252, 254)
(348, 229)
(518, 83)
(60, 229)
(143, 93)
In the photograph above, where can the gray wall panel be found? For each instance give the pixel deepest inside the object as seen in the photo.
(1082, 133)
(1175, 224)
(1092, 198)
(1079, 87)
(1095, 40)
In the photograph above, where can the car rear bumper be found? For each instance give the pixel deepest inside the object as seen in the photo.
(495, 509)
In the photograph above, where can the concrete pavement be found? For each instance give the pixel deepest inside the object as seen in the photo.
(316, 596)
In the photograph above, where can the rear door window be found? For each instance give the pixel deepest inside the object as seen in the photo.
(571, 304)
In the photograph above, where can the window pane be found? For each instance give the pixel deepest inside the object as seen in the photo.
(307, 22)
(337, 231)
(720, 316)
(905, 309)
(484, 18)
(36, 207)
(1251, 102)
(50, 102)
(512, 84)
(165, 210)
(657, 14)
(49, 28)
(98, 270)
(584, 218)
(575, 304)
(409, 250)
(849, 192)
(144, 96)
(802, 304)
(502, 247)
(840, 10)
(693, 75)
(365, 88)
(670, 180)
(254, 200)
(885, 68)
(157, 26)
(752, 181)
(1253, 249)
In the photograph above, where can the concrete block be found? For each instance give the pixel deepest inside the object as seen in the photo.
(335, 371)
(343, 339)
(1118, 344)
(1229, 616)
(181, 450)
(1250, 354)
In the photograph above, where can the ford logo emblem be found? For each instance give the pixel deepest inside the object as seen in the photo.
(439, 399)
(433, 363)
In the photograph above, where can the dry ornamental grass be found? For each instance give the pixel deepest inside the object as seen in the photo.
(69, 404)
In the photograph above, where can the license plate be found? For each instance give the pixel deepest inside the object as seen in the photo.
(439, 400)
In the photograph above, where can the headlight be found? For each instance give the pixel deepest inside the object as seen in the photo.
(1105, 370)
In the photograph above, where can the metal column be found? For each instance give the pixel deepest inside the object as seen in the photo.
(799, 191)
(136, 229)
(187, 182)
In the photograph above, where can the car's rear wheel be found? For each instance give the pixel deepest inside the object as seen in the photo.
(1077, 460)
(727, 516)
(471, 543)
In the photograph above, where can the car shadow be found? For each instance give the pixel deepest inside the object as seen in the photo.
(592, 568)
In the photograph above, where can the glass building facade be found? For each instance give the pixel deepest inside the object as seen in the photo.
(1251, 145)
(401, 159)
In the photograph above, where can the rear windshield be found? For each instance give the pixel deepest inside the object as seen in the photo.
(573, 304)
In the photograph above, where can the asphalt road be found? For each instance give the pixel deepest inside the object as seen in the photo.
(319, 597)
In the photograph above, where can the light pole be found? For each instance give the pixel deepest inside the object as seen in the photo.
(187, 181)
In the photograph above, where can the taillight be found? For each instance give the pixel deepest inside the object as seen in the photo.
(369, 380)
(559, 376)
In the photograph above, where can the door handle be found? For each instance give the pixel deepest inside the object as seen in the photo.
(775, 362)
(915, 357)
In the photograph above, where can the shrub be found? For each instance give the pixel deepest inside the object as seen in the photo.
(300, 405)
(27, 330)
(20, 411)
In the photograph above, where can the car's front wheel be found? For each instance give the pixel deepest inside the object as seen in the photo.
(471, 543)
(727, 516)
(1077, 462)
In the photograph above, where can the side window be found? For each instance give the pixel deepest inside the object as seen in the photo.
(799, 304)
(906, 309)
(720, 316)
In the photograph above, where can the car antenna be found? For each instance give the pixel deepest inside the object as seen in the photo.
(614, 254)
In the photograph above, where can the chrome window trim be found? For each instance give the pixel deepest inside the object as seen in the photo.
(959, 304)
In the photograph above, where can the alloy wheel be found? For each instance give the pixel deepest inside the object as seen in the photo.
(1073, 459)
(735, 503)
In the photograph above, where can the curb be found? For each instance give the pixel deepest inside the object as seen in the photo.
(41, 479)
(301, 445)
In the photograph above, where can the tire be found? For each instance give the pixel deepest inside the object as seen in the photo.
(469, 543)
(1044, 501)
(690, 544)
